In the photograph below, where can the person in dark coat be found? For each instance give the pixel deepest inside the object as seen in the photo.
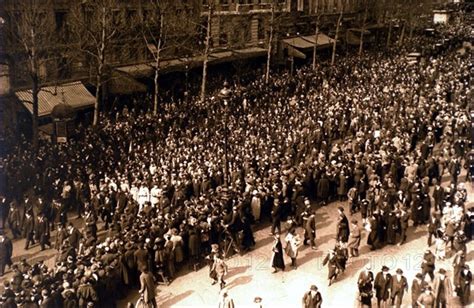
(323, 189)
(309, 225)
(438, 196)
(46, 301)
(28, 230)
(277, 261)
(418, 286)
(365, 286)
(398, 287)
(312, 298)
(463, 290)
(6, 252)
(392, 228)
(331, 261)
(403, 219)
(74, 236)
(14, 220)
(428, 264)
(43, 232)
(86, 293)
(342, 227)
(382, 286)
(372, 227)
(433, 226)
(276, 216)
(148, 288)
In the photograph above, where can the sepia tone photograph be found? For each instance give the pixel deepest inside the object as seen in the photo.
(236, 153)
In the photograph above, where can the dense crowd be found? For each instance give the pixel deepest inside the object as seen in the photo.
(364, 130)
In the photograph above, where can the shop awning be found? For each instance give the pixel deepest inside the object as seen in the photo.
(121, 83)
(170, 65)
(307, 42)
(73, 94)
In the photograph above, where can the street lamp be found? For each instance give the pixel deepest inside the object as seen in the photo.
(224, 94)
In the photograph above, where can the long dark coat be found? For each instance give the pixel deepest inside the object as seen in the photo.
(465, 287)
(392, 227)
(277, 256)
(6, 251)
(382, 286)
(194, 242)
(343, 229)
(323, 188)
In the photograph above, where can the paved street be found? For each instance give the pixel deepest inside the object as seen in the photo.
(251, 275)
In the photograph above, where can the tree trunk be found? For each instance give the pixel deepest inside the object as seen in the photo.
(35, 91)
(156, 97)
(206, 53)
(315, 47)
(270, 43)
(98, 85)
(361, 43)
(389, 35)
(334, 45)
(402, 35)
(157, 86)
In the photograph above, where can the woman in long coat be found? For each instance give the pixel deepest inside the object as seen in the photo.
(323, 189)
(293, 242)
(277, 255)
(464, 290)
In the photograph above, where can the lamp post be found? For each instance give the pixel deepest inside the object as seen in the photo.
(224, 94)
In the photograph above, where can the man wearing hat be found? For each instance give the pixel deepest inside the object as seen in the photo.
(382, 286)
(464, 285)
(309, 225)
(148, 288)
(399, 285)
(418, 285)
(442, 289)
(428, 264)
(312, 298)
(225, 301)
(365, 286)
(6, 251)
(426, 299)
(276, 216)
(342, 226)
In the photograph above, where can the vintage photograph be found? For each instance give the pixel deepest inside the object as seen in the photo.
(236, 153)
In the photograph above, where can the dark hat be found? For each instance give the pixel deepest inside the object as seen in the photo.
(399, 271)
(419, 276)
(313, 288)
(442, 271)
(385, 268)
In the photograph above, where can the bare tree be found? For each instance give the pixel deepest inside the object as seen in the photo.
(270, 41)
(207, 49)
(390, 8)
(96, 25)
(339, 20)
(166, 27)
(364, 21)
(316, 33)
(31, 35)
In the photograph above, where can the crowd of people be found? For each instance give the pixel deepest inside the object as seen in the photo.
(427, 289)
(363, 130)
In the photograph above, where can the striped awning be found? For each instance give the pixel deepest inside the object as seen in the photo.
(73, 94)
